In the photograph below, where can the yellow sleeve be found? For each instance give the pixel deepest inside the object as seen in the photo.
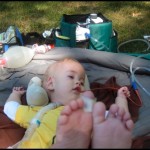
(24, 114)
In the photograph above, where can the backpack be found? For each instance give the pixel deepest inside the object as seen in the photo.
(10, 37)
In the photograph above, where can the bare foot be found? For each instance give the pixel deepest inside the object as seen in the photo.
(74, 127)
(123, 92)
(114, 131)
(121, 99)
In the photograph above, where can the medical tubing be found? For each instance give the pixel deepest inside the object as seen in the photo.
(114, 88)
(35, 122)
(134, 79)
(143, 40)
(133, 60)
(87, 35)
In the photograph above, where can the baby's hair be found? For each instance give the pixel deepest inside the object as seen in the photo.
(51, 68)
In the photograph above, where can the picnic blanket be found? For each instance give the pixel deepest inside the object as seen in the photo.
(102, 68)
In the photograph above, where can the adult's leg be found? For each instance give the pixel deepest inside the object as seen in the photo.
(121, 99)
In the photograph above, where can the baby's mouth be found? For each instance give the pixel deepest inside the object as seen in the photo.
(78, 89)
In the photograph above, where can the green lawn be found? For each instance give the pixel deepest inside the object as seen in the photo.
(130, 19)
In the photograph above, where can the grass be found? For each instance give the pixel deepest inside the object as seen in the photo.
(130, 19)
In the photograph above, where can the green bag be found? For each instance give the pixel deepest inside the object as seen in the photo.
(103, 37)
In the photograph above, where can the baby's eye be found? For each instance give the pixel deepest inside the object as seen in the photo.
(71, 77)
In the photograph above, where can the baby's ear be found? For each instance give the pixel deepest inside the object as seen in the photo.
(50, 84)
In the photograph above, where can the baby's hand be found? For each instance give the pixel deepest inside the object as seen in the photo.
(123, 92)
(18, 90)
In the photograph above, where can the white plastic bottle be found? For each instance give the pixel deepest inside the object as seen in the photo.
(88, 21)
(93, 18)
(42, 48)
(16, 56)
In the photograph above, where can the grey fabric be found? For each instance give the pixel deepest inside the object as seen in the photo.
(99, 66)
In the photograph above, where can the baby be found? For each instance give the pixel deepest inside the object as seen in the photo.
(63, 82)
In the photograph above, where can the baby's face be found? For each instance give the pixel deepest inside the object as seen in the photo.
(69, 81)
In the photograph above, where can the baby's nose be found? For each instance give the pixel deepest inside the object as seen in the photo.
(78, 83)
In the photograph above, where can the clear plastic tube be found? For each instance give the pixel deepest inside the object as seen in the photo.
(143, 40)
(137, 81)
(133, 78)
(90, 37)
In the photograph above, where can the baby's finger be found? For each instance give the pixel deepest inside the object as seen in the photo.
(15, 88)
(127, 93)
(22, 88)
